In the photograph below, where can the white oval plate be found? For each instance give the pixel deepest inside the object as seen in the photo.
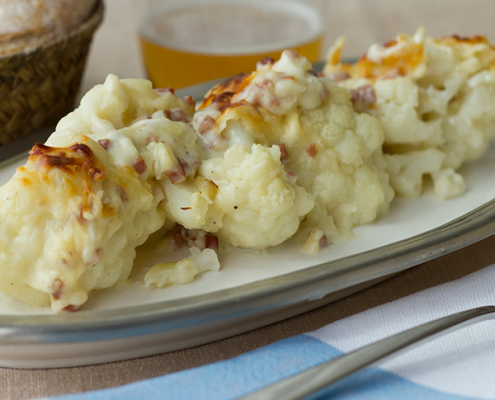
(251, 290)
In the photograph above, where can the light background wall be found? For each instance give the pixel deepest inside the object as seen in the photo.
(116, 48)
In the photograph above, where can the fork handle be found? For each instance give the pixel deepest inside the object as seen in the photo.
(315, 381)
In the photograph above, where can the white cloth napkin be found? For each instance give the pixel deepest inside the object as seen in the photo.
(459, 365)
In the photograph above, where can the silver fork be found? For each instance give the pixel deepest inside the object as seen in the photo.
(316, 380)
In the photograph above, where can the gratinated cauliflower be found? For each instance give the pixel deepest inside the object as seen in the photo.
(70, 221)
(434, 99)
(265, 155)
(74, 214)
(327, 148)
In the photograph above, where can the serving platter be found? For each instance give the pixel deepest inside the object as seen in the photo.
(251, 290)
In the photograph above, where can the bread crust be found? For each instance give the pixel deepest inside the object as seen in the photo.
(26, 24)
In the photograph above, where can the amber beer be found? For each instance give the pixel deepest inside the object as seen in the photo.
(199, 41)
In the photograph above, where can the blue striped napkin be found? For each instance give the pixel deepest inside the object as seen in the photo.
(460, 365)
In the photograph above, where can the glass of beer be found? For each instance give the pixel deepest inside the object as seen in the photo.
(197, 41)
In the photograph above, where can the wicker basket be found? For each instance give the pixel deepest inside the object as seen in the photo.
(39, 87)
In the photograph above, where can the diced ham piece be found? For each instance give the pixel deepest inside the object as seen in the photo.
(315, 242)
(98, 256)
(362, 97)
(177, 115)
(292, 176)
(189, 100)
(323, 241)
(177, 240)
(139, 165)
(176, 174)
(105, 143)
(211, 242)
(200, 239)
(122, 194)
(283, 152)
(325, 93)
(165, 90)
(57, 288)
(338, 76)
(70, 308)
(206, 125)
(311, 150)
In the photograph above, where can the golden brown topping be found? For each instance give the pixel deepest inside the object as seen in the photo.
(468, 39)
(231, 85)
(265, 63)
(403, 62)
(223, 100)
(68, 159)
(108, 211)
(402, 55)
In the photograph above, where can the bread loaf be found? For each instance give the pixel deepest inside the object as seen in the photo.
(26, 24)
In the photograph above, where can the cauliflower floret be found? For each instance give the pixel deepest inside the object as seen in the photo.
(448, 184)
(188, 205)
(327, 148)
(407, 170)
(184, 271)
(397, 108)
(430, 95)
(71, 220)
(256, 206)
(338, 157)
